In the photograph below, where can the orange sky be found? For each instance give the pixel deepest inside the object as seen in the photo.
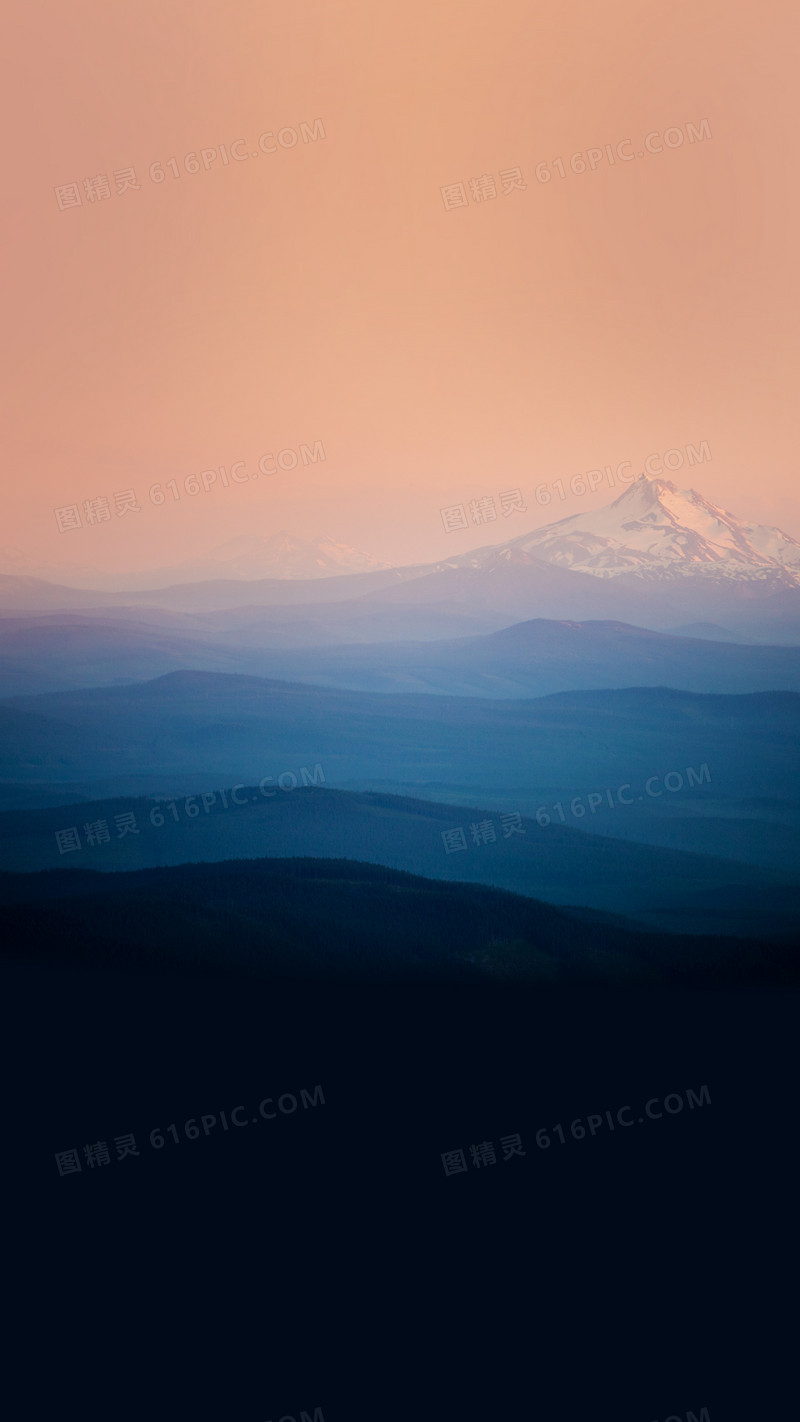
(323, 292)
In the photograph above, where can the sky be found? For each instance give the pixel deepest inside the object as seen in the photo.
(587, 303)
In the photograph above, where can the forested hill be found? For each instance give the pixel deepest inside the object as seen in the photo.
(347, 921)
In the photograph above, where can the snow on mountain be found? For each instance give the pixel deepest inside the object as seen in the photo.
(281, 556)
(246, 558)
(652, 529)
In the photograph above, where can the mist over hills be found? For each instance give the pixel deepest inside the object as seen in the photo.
(46, 653)
(190, 732)
(196, 723)
(662, 887)
(539, 657)
(647, 774)
(656, 557)
(249, 555)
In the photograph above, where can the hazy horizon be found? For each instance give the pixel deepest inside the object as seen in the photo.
(562, 502)
(323, 292)
(400, 705)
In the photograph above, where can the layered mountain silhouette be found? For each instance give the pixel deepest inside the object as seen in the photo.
(539, 657)
(649, 775)
(248, 556)
(656, 556)
(280, 556)
(471, 759)
(46, 653)
(651, 529)
(672, 888)
(178, 728)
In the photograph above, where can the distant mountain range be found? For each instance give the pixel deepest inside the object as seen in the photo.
(652, 529)
(665, 886)
(281, 556)
(543, 656)
(575, 751)
(247, 557)
(674, 808)
(190, 728)
(284, 556)
(193, 732)
(50, 652)
(656, 557)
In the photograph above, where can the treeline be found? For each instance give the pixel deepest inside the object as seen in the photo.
(340, 920)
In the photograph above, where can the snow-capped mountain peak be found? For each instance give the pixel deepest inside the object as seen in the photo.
(654, 528)
(283, 555)
(245, 558)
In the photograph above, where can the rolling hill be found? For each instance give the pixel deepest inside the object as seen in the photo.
(656, 556)
(665, 887)
(303, 919)
(46, 653)
(540, 657)
(190, 729)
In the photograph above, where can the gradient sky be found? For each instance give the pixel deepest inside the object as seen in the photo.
(323, 292)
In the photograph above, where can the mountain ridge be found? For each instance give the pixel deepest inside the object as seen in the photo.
(529, 658)
(653, 527)
(656, 557)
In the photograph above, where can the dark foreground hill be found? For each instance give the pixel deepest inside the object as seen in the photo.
(305, 919)
(668, 888)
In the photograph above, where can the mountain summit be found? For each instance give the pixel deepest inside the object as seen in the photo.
(652, 529)
(246, 558)
(284, 556)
